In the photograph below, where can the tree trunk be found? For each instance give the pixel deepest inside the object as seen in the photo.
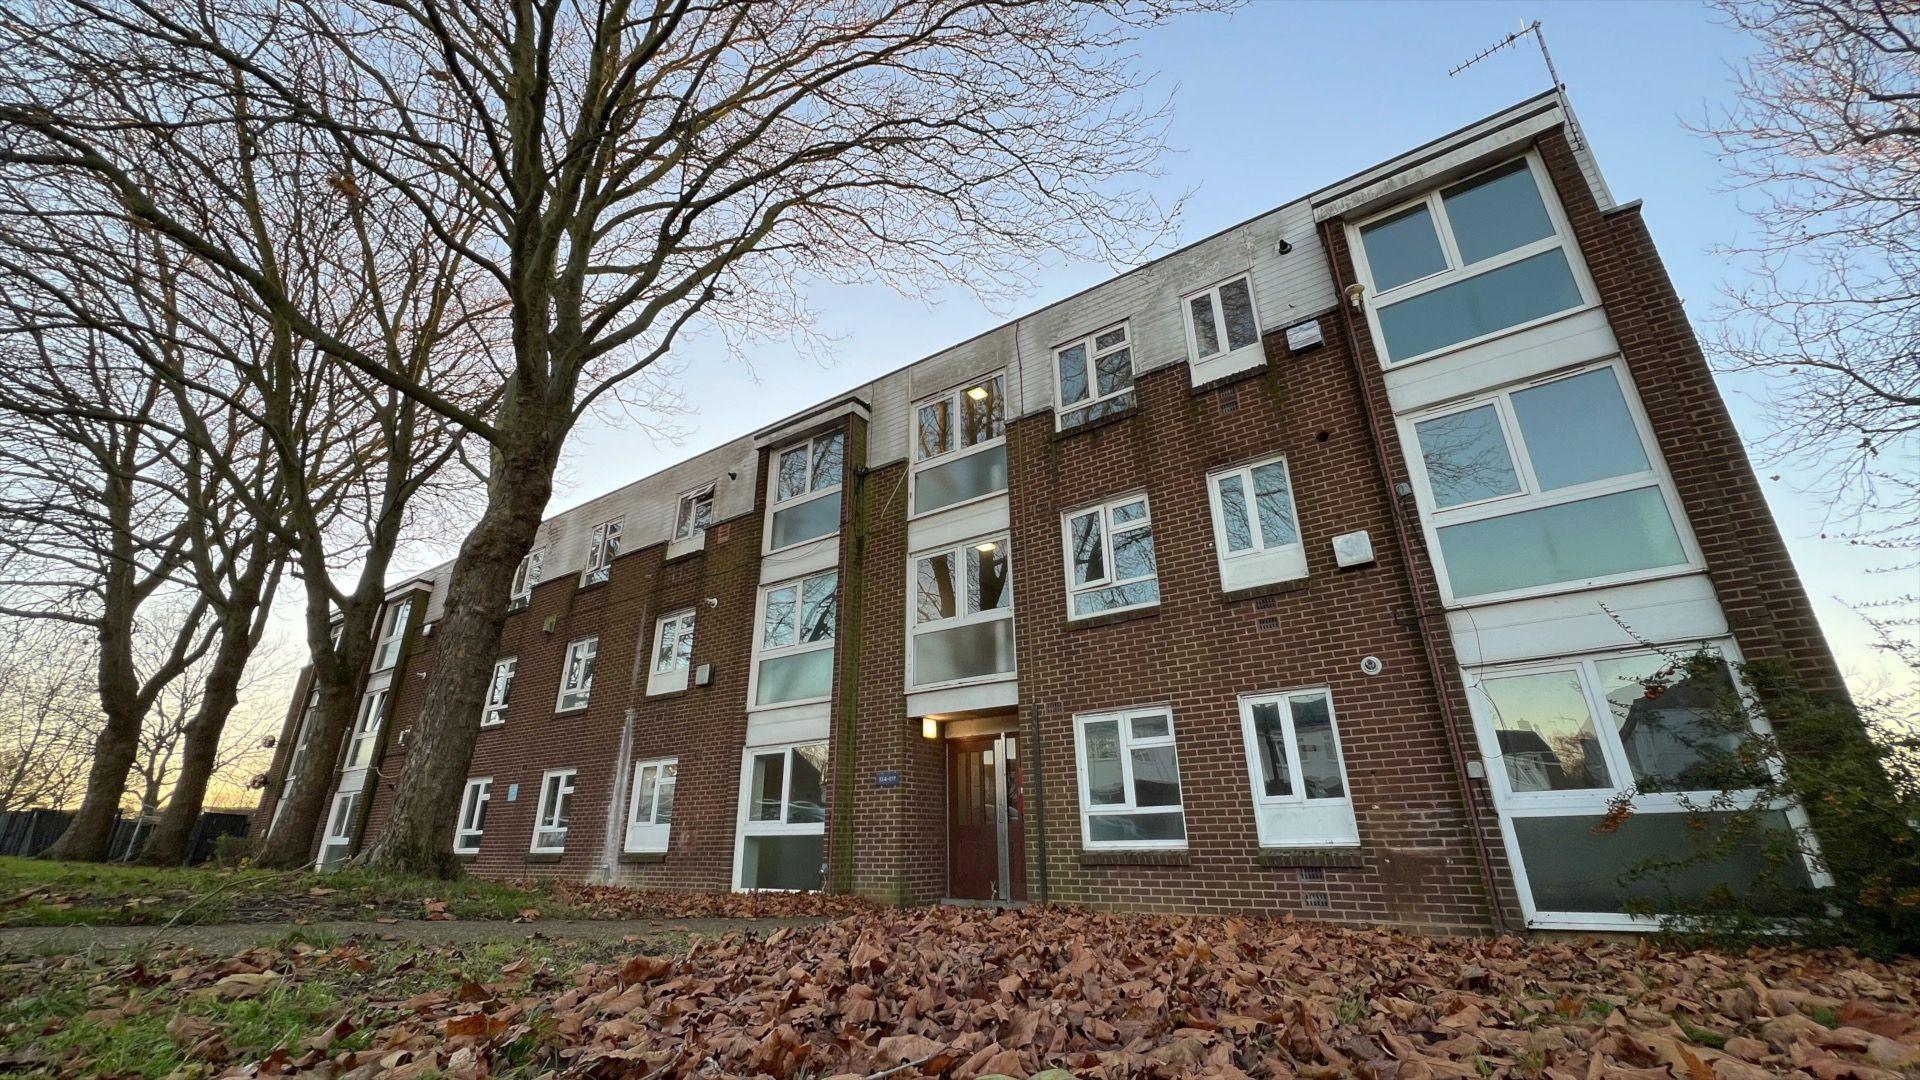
(290, 842)
(167, 843)
(418, 838)
(89, 836)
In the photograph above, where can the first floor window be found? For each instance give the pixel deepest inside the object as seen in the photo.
(962, 622)
(1256, 532)
(601, 550)
(1110, 563)
(673, 642)
(783, 817)
(556, 802)
(694, 513)
(337, 844)
(576, 675)
(794, 652)
(1129, 780)
(525, 577)
(473, 816)
(650, 811)
(1300, 792)
(1093, 377)
(498, 691)
(366, 730)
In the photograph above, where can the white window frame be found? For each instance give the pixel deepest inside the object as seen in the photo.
(961, 617)
(340, 815)
(686, 524)
(1456, 271)
(1263, 563)
(953, 396)
(1105, 510)
(649, 835)
(1531, 496)
(762, 652)
(1094, 397)
(494, 712)
(302, 737)
(1593, 801)
(367, 724)
(1088, 811)
(559, 783)
(590, 648)
(783, 827)
(1322, 822)
(474, 798)
(525, 577)
(602, 548)
(673, 677)
(394, 633)
(1225, 353)
(775, 503)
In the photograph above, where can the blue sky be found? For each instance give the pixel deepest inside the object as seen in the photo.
(1282, 98)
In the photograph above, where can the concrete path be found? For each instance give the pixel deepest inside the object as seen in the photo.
(236, 937)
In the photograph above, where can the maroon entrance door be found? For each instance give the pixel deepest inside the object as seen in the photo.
(984, 851)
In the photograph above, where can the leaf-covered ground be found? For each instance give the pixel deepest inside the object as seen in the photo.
(965, 993)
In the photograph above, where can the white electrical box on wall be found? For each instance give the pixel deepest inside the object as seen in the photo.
(1304, 336)
(1353, 549)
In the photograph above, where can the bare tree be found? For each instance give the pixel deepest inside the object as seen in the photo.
(49, 714)
(640, 168)
(1825, 141)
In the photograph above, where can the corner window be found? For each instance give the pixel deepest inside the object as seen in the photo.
(1221, 321)
(650, 809)
(960, 445)
(1093, 377)
(794, 651)
(525, 577)
(1256, 534)
(672, 652)
(494, 713)
(556, 804)
(1467, 261)
(1544, 486)
(783, 818)
(576, 675)
(473, 816)
(806, 491)
(1300, 795)
(961, 624)
(1129, 780)
(366, 729)
(694, 513)
(1109, 554)
(393, 634)
(601, 550)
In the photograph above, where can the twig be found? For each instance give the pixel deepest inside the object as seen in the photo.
(905, 1065)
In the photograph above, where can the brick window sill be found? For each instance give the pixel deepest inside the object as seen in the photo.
(642, 858)
(1113, 617)
(1133, 858)
(1343, 858)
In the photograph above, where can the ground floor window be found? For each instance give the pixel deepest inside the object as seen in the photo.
(337, 844)
(473, 816)
(783, 817)
(650, 810)
(556, 802)
(1129, 780)
(1563, 738)
(1300, 794)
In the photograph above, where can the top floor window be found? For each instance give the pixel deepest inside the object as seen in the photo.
(393, 633)
(600, 552)
(806, 490)
(1220, 320)
(1093, 377)
(524, 579)
(960, 445)
(1468, 261)
(694, 513)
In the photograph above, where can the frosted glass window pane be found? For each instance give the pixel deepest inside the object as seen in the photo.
(807, 521)
(1319, 752)
(766, 790)
(1683, 734)
(1233, 513)
(1274, 498)
(781, 862)
(987, 579)
(795, 678)
(1496, 212)
(1073, 374)
(1611, 534)
(1466, 457)
(1137, 827)
(955, 481)
(963, 652)
(1105, 784)
(1236, 304)
(1200, 310)
(1578, 429)
(1270, 739)
(1545, 731)
(934, 594)
(1532, 288)
(1570, 868)
(1403, 248)
(807, 801)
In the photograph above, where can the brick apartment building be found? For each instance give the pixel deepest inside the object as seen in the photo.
(1309, 568)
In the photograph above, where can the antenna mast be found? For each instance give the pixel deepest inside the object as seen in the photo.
(1540, 37)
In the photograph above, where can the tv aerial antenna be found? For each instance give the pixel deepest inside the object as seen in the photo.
(1540, 38)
